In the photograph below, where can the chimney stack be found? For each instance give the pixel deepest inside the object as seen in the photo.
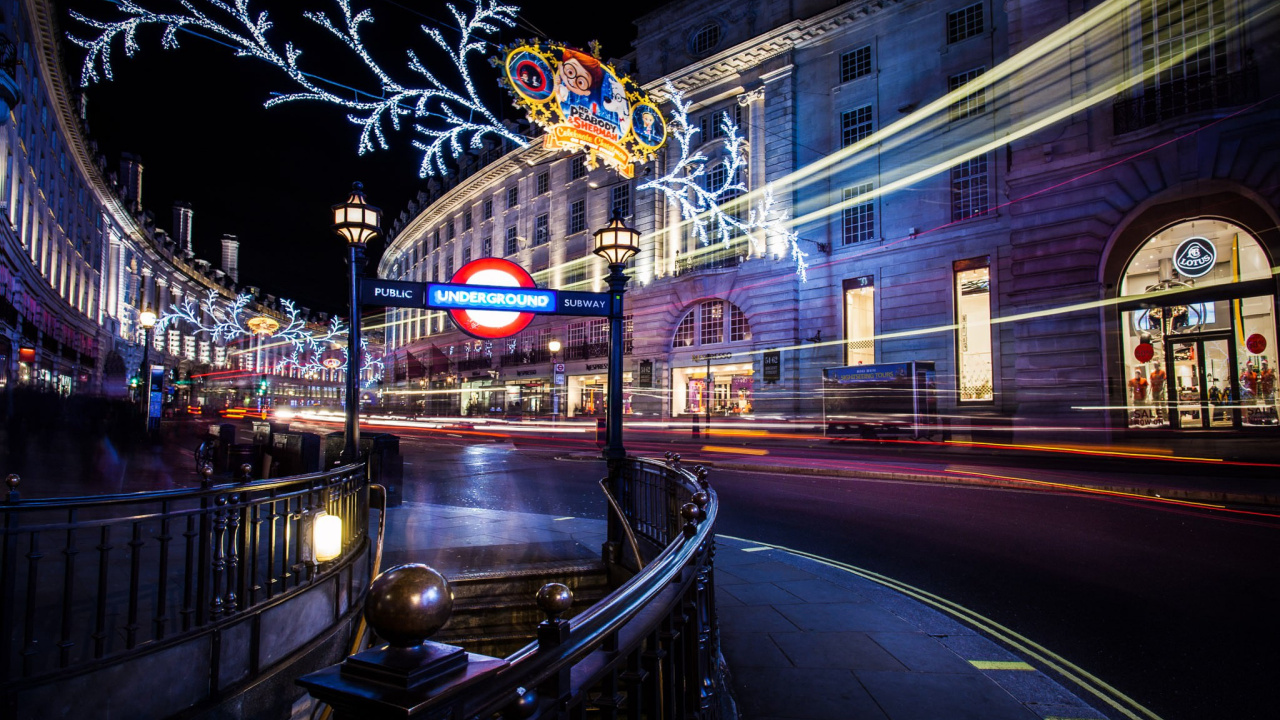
(231, 256)
(182, 224)
(131, 180)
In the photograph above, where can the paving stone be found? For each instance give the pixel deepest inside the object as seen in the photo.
(1031, 687)
(849, 650)
(1068, 712)
(930, 696)
(762, 594)
(976, 647)
(803, 694)
(725, 577)
(820, 591)
(830, 617)
(922, 653)
(770, 571)
(752, 650)
(724, 599)
(753, 618)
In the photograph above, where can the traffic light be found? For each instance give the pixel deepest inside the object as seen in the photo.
(262, 386)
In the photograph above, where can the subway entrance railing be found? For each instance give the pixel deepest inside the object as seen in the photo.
(148, 604)
(649, 649)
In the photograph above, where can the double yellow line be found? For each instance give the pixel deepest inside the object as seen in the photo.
(1082, 679)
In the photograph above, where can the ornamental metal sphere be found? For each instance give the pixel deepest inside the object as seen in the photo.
(689, 511)
(701, 498)
(246, 471)
(554, 599)
(13, 481)
(523, 707)
(408, 604)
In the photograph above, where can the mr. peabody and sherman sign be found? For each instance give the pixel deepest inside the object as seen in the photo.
(583, 104)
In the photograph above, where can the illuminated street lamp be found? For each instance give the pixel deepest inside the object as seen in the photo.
(357, 222)
(147, 319)
(617, 244)
(553, 346)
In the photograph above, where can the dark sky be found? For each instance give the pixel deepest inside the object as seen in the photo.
(195, 116)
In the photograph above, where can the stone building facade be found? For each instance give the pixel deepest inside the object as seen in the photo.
(1007, 192)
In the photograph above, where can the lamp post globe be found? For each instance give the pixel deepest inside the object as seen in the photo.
(617, 244)
(357, 222)
(554, 347)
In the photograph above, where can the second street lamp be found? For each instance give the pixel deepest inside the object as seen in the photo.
(557, 377)
(617, 244)
(147, 319)
(357, 222)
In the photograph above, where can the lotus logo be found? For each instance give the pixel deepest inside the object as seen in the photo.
(1194, 257)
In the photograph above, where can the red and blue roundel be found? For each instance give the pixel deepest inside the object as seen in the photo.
(491, 324)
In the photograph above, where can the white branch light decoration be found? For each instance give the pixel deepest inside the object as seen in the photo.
(224, 322)
(702, 205)
(450, 120)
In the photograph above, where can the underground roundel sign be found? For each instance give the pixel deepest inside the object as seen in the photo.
(490, 324)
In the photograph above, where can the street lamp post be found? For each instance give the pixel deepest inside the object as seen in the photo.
(147, 319)
(556, 378)
(357, 222)
(616, 243)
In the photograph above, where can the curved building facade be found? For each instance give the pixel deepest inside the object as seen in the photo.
(1071, 218)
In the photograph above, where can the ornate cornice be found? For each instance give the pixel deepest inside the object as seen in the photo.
(752, 53)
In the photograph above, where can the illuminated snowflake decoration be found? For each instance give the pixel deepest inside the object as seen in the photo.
(450, 120)
(711, 206)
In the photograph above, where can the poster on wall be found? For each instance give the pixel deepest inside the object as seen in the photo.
(584, 105)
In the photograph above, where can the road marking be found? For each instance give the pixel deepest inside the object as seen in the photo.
(755, 549)
(1096, 687)
(1001, 665)
(563, 518)
(734, 450)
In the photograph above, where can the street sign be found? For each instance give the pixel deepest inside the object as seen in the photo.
(447, 296)
(582, 303)
(712, 356)
(772, 363)
(392, 293)
(559, 367)
(646, 374)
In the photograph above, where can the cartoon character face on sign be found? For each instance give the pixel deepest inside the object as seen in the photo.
(615, 104)
(578, 81)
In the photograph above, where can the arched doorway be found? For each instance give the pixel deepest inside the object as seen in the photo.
(1198, 337)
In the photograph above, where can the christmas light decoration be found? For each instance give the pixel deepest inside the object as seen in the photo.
(450, 120)
(703, 200)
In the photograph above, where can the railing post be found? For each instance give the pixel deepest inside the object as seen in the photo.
(8, 575)
(554, 599)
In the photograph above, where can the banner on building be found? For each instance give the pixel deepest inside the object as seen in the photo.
(583, 104)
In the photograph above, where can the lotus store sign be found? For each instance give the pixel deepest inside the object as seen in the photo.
(1194, 257)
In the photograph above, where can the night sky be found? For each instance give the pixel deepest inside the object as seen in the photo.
(195, 117)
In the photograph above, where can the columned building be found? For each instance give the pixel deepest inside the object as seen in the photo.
(80, 258)
(1070, 214)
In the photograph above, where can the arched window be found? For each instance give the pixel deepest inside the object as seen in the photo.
(711, 322)
(1198, 337)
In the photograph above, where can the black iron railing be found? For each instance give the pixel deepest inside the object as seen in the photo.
(648, 650)
(1176, 98)
(479, 363)
(719, 259)
(587, 350)
(90, 581)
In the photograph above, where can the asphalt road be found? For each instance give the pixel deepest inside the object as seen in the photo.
(1173, 606)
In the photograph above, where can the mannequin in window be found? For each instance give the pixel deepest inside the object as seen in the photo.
(1138, 387)
(1249, 381)
(1158, 387)
(1267, 382)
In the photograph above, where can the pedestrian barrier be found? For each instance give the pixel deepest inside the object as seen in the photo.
(648, 649)
(189, 593)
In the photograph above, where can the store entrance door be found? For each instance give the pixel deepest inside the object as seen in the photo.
(1202, 384)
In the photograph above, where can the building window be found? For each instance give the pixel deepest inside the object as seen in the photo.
(578, 167)
(435, 239)
(466, 221)
(704, 39)
(577, 216)
(855, 63)
(964, 23)
(712, 330)
(450, 232)
(486, 210)
(975, 102)
(435, 272)
(466, 254)
(486, 246)
(513, 196)
(620, 200)
(544, 183)
(512, 243)
(739, 330)
(973, 334)
(715, 122)
(854, 125)
(859, 321)
(858, 222)
(448, 266)
(575, 272)
(969, 188)
(684, 331)
(541, 230)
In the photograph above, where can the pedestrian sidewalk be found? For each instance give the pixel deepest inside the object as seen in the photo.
(802, 640)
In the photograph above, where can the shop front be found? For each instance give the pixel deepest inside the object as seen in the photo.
(728, 391)
(528, 394)
(482, 397)
(586, 393)
(1199, 335)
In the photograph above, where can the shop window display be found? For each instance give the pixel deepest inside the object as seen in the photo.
(1203, 363)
